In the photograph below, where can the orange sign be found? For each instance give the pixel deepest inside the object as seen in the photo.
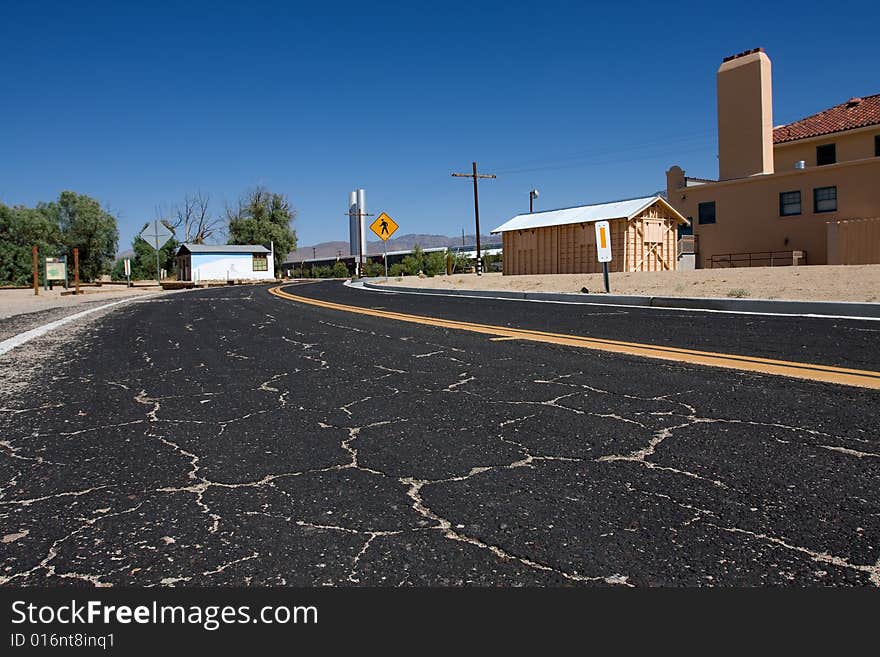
(603, 241)
(384, 226)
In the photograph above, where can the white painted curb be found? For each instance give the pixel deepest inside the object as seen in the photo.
(486, 294)
(17, 340)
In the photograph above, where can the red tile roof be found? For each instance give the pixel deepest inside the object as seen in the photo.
(854, 113)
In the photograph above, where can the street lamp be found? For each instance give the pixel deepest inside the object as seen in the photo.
(532, 196)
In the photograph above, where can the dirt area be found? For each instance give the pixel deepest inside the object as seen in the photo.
(17, 302)
(808, 283)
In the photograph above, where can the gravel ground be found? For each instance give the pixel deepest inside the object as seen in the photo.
(817, 283)
(19, 302)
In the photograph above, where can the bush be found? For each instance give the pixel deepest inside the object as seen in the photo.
(340, 270)
(374, 269)
(118, 271)
(397, 269)
(411, 265)
(460, 263)
(492, 262)
(430, 264)
(434, 263)
(322, 271)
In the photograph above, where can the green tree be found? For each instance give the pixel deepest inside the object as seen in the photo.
(117, 273)
(430, 264)
(372, 269)
(88, 227)
(21, 229)
(340, 270)
(143, 263)
(261, 217)
(434, 263)
(460, 262)
(415, 262)
(492, 262)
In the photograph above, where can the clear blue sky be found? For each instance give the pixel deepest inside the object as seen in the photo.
(138, 106)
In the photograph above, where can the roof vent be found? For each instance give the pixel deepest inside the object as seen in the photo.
(742, 54)
(852, 102)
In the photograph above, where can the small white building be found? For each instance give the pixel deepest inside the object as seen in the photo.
(225, 262)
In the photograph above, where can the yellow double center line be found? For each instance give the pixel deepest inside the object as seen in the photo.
(813, 372)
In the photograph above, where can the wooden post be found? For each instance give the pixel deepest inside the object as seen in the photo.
(476, 176)
(36, 274)
(76, 269)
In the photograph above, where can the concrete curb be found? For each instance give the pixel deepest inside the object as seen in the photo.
(760, 306)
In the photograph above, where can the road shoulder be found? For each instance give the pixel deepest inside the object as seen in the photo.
(837, 309)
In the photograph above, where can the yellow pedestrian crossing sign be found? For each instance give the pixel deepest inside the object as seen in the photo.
(384, 226)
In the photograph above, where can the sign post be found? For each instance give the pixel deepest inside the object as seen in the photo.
(156, 236)
(36, 274)
(384, 227)
(603, 249)
(76, 270)
(127, 262)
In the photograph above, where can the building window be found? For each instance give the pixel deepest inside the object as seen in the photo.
(261, 262)
(789, 203)
(826, 154)
(876, 145)
(706, 213)
(825, 199)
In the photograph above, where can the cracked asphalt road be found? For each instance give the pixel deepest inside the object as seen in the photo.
(229, 437)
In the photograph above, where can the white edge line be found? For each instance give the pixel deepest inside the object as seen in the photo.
(17, 340)
(360, 286)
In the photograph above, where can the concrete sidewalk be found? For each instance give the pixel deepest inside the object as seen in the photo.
(19, 302)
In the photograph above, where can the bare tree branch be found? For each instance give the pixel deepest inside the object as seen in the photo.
(193, 217)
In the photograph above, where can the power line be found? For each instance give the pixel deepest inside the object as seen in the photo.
(594, 162)
(697, 136)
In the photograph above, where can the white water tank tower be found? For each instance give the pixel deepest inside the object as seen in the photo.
(357, 217)
(352, 224)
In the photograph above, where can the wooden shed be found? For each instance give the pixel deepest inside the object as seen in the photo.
(643, 238)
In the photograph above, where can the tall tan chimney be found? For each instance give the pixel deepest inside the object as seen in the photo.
(745, 115)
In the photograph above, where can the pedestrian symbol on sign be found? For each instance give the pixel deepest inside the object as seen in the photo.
(384, 226)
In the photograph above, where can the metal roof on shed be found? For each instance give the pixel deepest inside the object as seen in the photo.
(224, 248)
(583, 213)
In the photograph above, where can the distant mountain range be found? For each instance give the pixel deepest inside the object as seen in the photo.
(402, 243)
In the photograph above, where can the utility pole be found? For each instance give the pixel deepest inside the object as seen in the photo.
(156, 246)
(361, 240)
(476, 177)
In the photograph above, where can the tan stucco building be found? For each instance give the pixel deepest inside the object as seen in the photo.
(781, 191)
